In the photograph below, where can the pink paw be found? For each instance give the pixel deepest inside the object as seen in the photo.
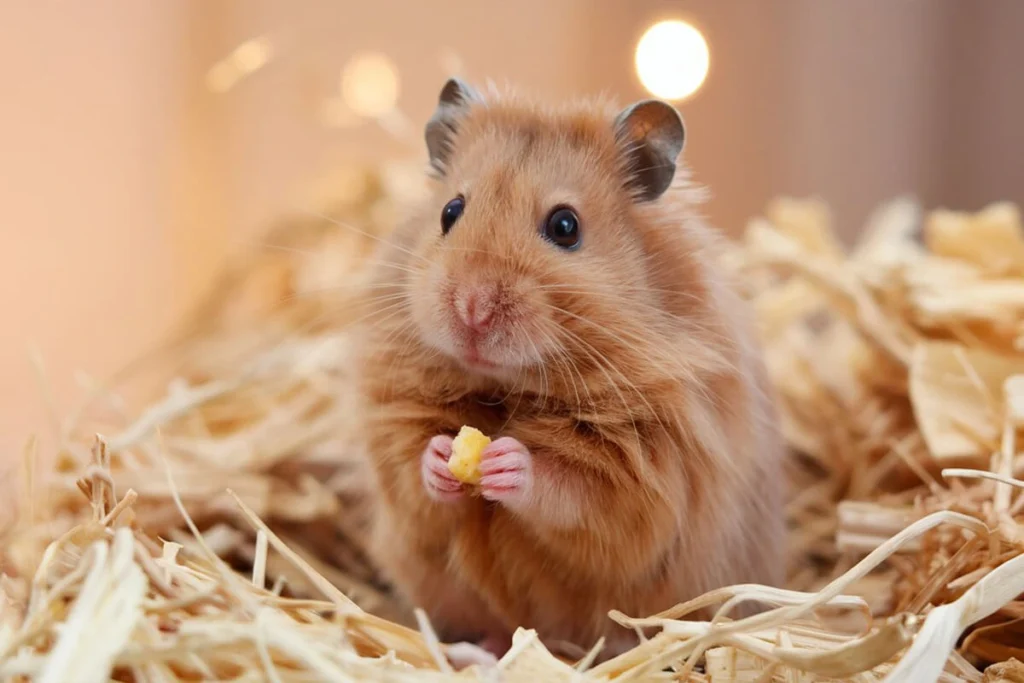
(440, 483)
(506, 472)
(484, 654)
(464, 655)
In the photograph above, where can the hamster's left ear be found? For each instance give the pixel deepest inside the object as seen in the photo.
(452, 105)
(650, 135)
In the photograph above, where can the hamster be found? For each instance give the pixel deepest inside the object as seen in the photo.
(559, 292)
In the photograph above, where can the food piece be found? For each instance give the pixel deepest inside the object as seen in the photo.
(467, 448)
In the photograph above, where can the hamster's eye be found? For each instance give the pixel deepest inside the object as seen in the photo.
(450, 213)
(563, 228)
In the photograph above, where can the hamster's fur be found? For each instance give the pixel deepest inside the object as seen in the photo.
(637, 449)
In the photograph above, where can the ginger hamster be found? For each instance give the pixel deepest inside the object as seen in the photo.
(559, 292)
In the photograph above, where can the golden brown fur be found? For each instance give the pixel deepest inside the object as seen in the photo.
(626, 367)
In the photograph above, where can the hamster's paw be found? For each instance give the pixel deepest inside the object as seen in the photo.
(464, 655)
(485, 653)
(506, 473)
(440, 483)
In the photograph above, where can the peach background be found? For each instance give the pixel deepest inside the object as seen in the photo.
(125, 182)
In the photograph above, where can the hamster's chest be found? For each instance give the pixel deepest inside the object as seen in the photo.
(502, 407)
(495, 414)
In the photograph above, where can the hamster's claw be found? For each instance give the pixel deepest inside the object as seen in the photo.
(440, 483)
(506, 472)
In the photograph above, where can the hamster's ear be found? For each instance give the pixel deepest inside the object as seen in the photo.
(452, 105)
(650, 134)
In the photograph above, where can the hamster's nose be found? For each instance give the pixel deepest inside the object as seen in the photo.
(475, 306)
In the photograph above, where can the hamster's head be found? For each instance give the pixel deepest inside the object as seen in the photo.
(531, 250)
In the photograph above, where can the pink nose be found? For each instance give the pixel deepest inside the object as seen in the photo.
(475, 306)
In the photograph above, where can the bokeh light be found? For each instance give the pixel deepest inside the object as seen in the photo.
(672, 60)
(369, 85)
(334, 112)
(244, 60)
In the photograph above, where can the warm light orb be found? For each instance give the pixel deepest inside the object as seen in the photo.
(672, 60)
(369, 85)
(244, 60)
(251, 55)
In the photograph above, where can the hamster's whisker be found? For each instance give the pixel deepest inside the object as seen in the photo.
(396, 310)
(616, 289)
(366, 264)
(302, 329)
(401, 267)
(519, 401)
(397, 297)
(342, 224)
(410, 341)
(363, 262)
(543, 371)
(382, 260)
(690, 322)
(629, 384)
(617, 298)
(473, 250)
(261, 244)
(343, 289)
(604, 365)
(562, 358)
(391, 309)
(631, 340)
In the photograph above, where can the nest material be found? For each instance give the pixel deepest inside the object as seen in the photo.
(217, 533)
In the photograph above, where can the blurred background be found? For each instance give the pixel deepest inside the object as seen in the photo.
(141, 143)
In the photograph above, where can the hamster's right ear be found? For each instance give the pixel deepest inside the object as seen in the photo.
(651, 135)
(452, 105)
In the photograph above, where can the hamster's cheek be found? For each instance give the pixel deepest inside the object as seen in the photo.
(429, 315)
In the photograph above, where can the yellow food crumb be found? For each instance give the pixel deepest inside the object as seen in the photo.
(467, 447)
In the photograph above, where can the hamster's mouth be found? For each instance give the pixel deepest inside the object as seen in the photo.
(471, 357)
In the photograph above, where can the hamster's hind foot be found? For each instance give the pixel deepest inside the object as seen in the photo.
(484, 654)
